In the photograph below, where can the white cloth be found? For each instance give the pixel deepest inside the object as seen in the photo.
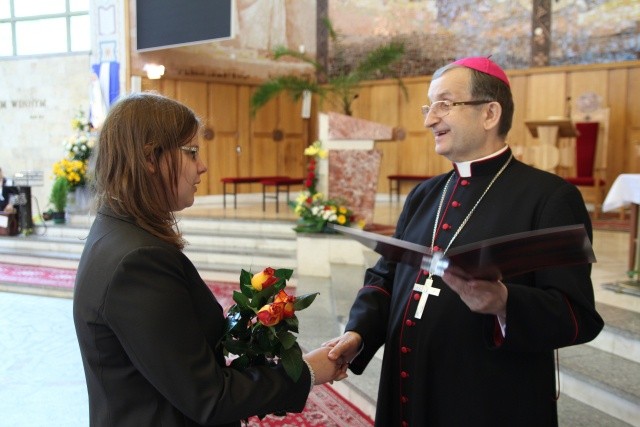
(625, 190)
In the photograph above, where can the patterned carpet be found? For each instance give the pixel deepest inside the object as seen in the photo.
(325, 407)
(610, 221)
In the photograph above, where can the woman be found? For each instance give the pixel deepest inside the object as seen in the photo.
(146, 322)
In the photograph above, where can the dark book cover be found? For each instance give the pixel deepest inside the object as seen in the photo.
(491, 259)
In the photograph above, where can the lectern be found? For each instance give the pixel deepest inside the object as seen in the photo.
(546, 155)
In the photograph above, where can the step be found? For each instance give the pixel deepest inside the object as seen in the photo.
(604, 374)
(215, 246)
(621, 333)
(573, 413)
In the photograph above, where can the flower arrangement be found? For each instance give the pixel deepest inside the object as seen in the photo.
(78, 147)
(314, 211)
(73, 171)
(260, 326)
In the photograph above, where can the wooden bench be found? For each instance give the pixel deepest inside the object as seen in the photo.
(280, 184)
(242, 180)
(396, 180)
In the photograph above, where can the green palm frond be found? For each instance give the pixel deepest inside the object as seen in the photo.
(293, 85)
(342, 88)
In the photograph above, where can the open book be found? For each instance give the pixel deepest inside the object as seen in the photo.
(490, 259)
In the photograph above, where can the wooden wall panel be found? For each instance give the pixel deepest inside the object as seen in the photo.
(546, 96)
(194, 95)
(617, 86)
(538, 93)
(222, 119)
(633, 98)
(518, 137)
(244, 131)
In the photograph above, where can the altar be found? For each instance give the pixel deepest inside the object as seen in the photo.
(626, 191)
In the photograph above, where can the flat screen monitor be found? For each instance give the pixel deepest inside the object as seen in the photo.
(163, 24)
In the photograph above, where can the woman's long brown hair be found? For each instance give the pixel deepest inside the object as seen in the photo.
(141, 131)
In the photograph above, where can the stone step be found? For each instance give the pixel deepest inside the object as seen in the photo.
(214, 245)
(602, 380)
(605, 373)
(573, 413)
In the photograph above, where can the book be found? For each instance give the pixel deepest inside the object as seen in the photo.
(492, 259)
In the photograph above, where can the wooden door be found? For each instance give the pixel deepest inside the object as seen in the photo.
(278, 138)
(194, 95)
(222, 133)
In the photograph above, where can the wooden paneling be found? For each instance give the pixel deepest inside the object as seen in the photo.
(538, 93)
(223, 150)
(517, 136)
(194, 95)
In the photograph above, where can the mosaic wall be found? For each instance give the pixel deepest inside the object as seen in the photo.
(436, 31)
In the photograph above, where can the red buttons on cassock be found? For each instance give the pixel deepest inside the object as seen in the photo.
(455, 204)
(404, 399)
(416, 296)
(405, 424)
(436, 248)
(409, 322)
(404, 374)
(405, 349)
(464, 182)
(446, 226)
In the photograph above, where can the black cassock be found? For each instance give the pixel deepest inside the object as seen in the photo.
(452, 367)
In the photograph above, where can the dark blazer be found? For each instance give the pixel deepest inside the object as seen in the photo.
(148, 326)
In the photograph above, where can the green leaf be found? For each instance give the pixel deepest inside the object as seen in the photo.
(291, 359)
(284, 273)
(292, 323)
(287, 339)
(241, 299)
(245, 277)
(304, 301)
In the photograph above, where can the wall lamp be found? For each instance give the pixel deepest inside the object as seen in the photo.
(154, 71)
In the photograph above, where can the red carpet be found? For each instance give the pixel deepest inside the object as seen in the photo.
(610, 221)
(325, 407)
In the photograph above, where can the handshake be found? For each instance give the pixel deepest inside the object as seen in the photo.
(331, 361)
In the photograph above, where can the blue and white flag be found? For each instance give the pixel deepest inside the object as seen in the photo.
(105, 89)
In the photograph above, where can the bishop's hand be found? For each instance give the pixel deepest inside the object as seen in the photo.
(481, 296)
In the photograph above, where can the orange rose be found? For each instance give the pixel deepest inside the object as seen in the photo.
(287, 301)
(264, 279)
(271, 314)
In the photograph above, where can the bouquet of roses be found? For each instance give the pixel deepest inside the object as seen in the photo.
(260, 326)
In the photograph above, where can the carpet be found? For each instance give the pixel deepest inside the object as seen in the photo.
(610, 221)
(325, 407)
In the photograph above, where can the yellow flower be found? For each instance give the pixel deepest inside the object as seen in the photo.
(315, 149)
(342, 219)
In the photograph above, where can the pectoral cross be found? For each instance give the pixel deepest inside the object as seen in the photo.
(426, 290)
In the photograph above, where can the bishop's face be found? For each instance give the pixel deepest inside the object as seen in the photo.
(459, 134)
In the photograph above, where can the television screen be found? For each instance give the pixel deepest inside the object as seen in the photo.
(171, 23)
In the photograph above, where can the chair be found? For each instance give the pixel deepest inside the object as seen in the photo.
(590, 160)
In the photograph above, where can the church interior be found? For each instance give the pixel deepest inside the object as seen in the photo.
(574, 69)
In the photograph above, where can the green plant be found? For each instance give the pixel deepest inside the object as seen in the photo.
(340, 90)
(58, 197)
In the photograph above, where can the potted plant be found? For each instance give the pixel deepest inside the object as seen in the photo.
(340, 90)
(58, 199)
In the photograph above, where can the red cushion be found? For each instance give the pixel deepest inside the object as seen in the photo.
(586, 148)
(249, 179)
(282, 181)
(408, 177)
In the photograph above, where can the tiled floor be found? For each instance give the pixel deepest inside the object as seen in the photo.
(41, 377)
